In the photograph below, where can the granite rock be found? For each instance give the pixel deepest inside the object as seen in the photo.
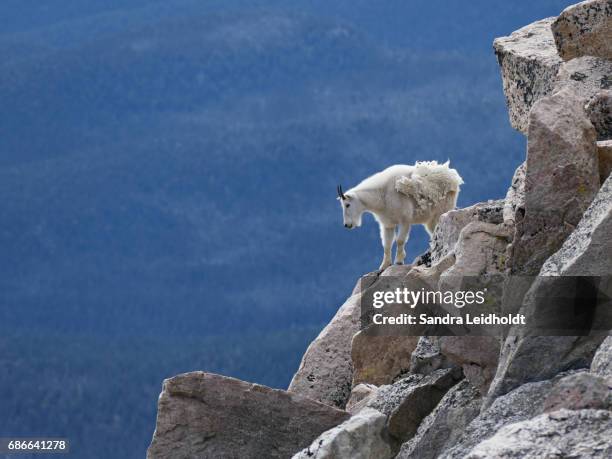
(202, 415)
(529, 62)
(564, 433)
(584, 29)
(445, 424)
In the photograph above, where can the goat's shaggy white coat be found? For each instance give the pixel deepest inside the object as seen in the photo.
(401, 196)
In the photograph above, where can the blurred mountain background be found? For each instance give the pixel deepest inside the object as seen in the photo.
(168, 174)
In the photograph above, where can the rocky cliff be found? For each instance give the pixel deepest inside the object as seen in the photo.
(361, 396)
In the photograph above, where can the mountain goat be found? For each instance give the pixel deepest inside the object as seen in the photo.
(401, 196)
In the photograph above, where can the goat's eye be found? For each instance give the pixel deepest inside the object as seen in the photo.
(348, 205)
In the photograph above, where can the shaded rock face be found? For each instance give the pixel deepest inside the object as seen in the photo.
(602, 362)
(477, 356)
(561, 179)
(580, 391)
(585, 252)
(536, 358)
(599, 111)
(451, 223)
(604, 151)
(380, 359)
(206, 415)
(564, 433)
(409, 400)
(518, 405)
(444, 425)
(363, 436)
(528, 61)
(584, 29)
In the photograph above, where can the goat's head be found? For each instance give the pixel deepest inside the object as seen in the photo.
(352, 209)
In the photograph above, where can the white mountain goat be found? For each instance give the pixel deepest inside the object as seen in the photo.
(401, 196)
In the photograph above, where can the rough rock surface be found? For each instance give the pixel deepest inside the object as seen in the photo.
(561, 180)
(207, 415)
(477, 356)
(580, 391)
(536, 358)
(604, 151)
(480, 252)
(409, 400)
(586, 76)
(586, 251)
(363, 436)
(442, 428)
(326, 371)
(599, 111)
(427, 358)
(584, 433)
(451, 223)
(514, 203)
(480, 249)
(602, 362)
(360, 395)
(529, 62)
(380, 359)
(584, 29)
(522, 403)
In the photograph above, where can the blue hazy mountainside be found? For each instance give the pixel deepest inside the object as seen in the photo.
(168, 174)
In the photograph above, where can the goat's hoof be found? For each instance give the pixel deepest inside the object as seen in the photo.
(399, 262)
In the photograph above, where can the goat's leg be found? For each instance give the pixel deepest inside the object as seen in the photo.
(402, 237)
(430, 226)
(386, 234)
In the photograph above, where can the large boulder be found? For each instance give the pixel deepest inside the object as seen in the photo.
(520, 404)
(381, 359)
(451, 223)
(480, 253)
(409, 400)
(599, 111)
(602, 362)
(584, 253)
(325, 373)
(363, 436)
(207, 415)
(528, 61)
(564, 433)
(445, 424)
(584, 29)
(561, 180)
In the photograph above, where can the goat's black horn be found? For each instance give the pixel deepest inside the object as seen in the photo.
(340, 192)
